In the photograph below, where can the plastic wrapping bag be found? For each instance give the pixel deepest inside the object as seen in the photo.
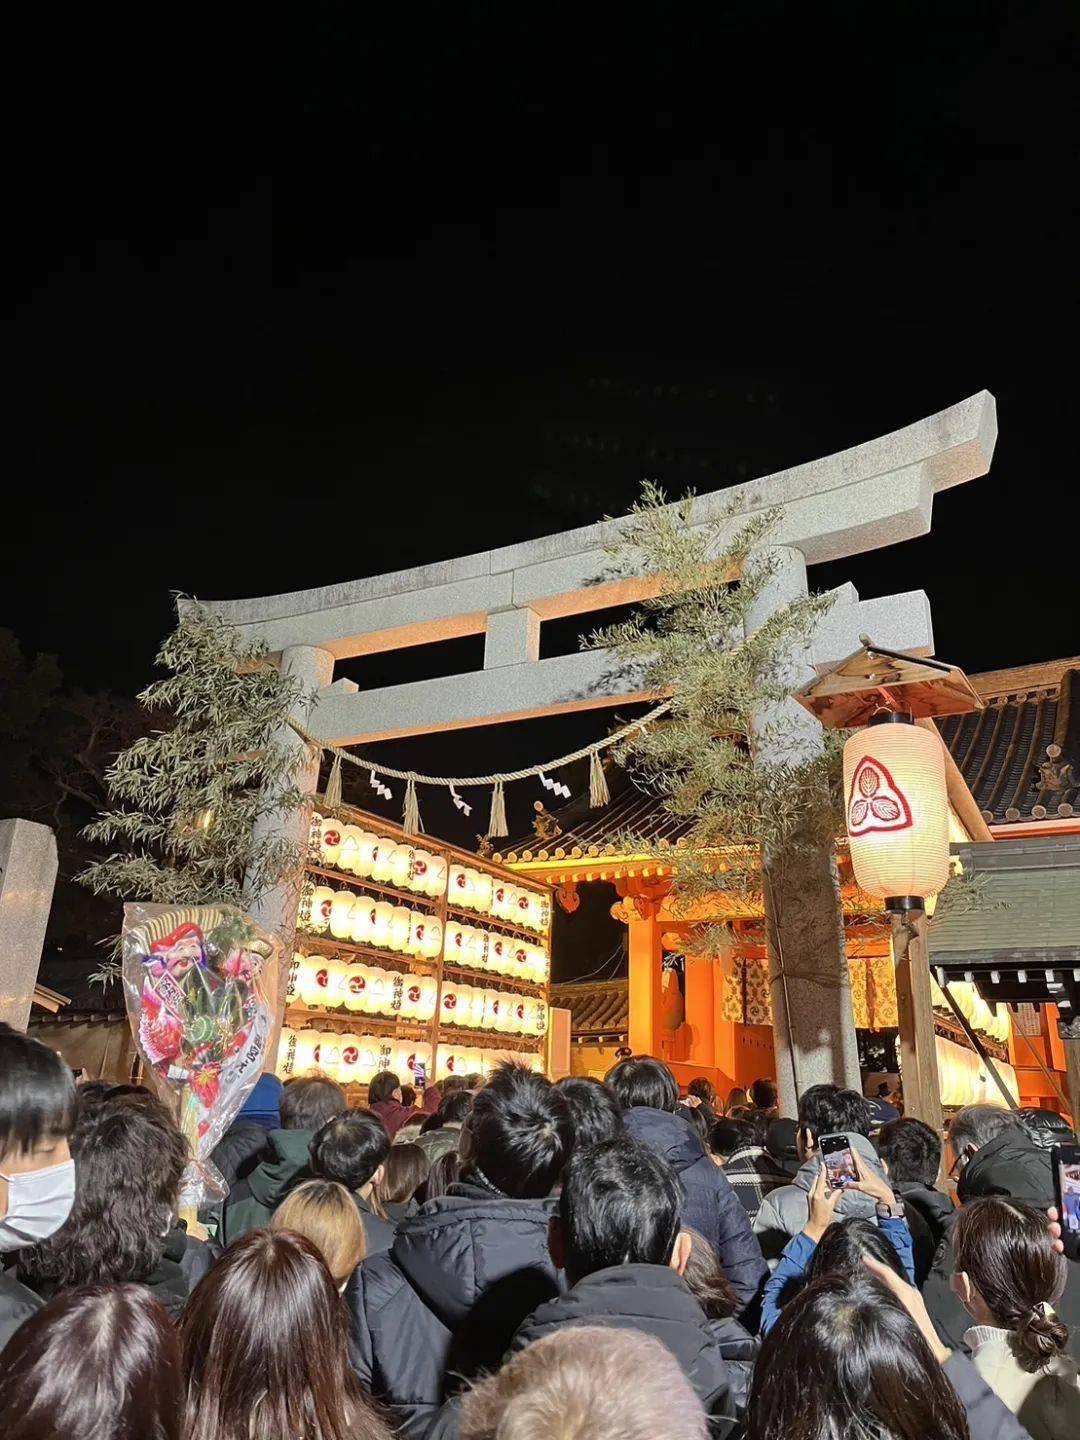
(200, 984)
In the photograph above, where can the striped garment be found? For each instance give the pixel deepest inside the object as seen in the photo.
(752, 1173)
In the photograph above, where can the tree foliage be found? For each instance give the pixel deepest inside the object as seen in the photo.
(188, 797)
(728, 759)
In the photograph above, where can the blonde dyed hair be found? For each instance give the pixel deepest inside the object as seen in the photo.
(325, 1213)
(586, 1383)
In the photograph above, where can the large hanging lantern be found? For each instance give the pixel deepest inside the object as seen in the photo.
(897, 810)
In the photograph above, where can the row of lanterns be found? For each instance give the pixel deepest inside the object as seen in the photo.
(375, 857)
(474, 1008)
(489, 895)
(363, 920)
(357, 1059)
(478, 949)
(316, 981)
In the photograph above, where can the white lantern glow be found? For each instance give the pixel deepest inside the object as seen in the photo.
(312, 979)
(456, 937)
(348, 1071)
(484, 887)
(476, 1007)
(897, 810)
(329, 841)
(501, 899)
(383, 867)
(521, 909)
(292, 981)
(401, 858)
(410, 998)
(460, 892)
(362, 919)
(476, 948)
(418, 872)
(286, 1055)
(369, 1063)
(538, 912)
(400, 926)
(341, 914)
(307, 1042)
(436, 876)
(380, 992)
(354, 988)
(451, 1060)
(381, 916)
(318, 909)
(367, 849)
(433, 939)
(429, 989)
(451, 1005)
(349, 853)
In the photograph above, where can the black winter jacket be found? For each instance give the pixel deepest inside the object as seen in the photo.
(378, 1233)
(444, 1302)
(656, 1301)
(17, 1304)
(1011, 1164)
(712, 1208)
(928, 1213)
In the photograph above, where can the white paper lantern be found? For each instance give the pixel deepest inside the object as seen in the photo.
(414, 1054)
(348, 1070)
(436, 876)
(400, 926)
(500, 899)
(410, 998)
(456, 938)
(460, 891)
(370, 1059)
(361, 918)
(316, 909)
(450, 1006)
(417, 879)
(897, 810)
(292, 981)
(307, 1042)
(539, 912)
(285, 1068)
(429, 989)
(311, 986)
(484, 888)
(354, 988)
(381, 916)
(367, 849)
(490, 1009)
(521, 909)
(329, 841)
(401, 858)
(349, 852)
(380, 992)
(383, 867)
(433, 939)
(476, 1007)
(476, 948)
(519, 960)
(341, 914)
(451, 1060)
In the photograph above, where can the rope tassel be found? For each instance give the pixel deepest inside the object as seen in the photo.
(497, 823)
(599, 794)
(412, 810)
(333, 783)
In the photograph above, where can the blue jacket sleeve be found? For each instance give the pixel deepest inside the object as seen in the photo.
(736, 1244)
(792, 1265)
(898, 1232)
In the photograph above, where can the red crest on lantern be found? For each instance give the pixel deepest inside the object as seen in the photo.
(876, 804)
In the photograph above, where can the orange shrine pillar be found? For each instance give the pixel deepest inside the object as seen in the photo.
(700, 1012)
(644, 984)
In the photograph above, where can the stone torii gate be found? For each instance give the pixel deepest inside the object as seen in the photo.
(872, 495)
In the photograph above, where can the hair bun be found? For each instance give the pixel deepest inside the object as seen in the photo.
(1039, 1336)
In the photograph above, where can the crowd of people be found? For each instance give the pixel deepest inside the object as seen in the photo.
(508, 1258)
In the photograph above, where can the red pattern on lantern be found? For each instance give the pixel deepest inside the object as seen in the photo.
(876, 804)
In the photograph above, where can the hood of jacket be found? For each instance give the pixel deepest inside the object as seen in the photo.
(274, 1177)
(462, 1247)
(1010, 1164)
(669, 1135)
(931, 1203)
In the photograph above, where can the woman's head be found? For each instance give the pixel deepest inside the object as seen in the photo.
(101, 1363)
(384, 1086)
(846, 1361)
(326, 1214)
(1004, 1258)
(405, 1171)
(264, 1347)
(705, 1276)
(129, 1158)
(736, 1100)
(443, 1173)
(642, 1081)
(844, 1245)
(703, 1090)
(37, 1113)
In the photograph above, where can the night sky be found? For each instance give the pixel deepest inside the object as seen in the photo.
(307, 304)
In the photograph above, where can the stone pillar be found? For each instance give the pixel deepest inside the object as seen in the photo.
(512, 637)
(27, 876)
(276, 910)
(813, 1026)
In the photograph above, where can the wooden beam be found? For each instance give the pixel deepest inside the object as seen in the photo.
(918, 1050)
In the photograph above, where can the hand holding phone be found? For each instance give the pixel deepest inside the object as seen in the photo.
(838, 1158)
(1065, 1160)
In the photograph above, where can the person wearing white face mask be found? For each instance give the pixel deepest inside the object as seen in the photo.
(37, 1175)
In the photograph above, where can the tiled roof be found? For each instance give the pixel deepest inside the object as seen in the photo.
(629, 810)
(597, 1007)
(1002, 751)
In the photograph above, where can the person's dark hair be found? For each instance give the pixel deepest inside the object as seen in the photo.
(519, 1133)
(736, 1097)
(842, 1248)
(911, 1150)
(620, 1205)
(727, 1136)
(443, 1173)
(706, 1279)
(828, 1110)
(406, 1170)
(349, 1148)
(643, 1081)
(264, 1348)
(408, 1095)
(696, 1118)
(97, 1363)
(129, 1157)
(474, 1080)
(37, 1094)
(92, 1093)
(977, 1125)
(450, 1084)
(412, 1127)
(596, 1114)
(703, 1090)
(780, 1139)
(845, 1361)
(454, 1109)
(763, 1094)
(382, 1087)
(310, 1101)
(1005, 1248)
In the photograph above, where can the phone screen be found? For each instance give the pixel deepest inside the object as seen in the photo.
(839, 1160)
(1067, 1181)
